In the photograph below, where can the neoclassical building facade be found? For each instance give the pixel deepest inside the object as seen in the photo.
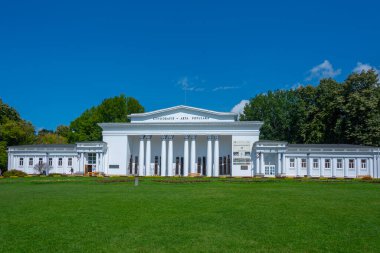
(188, 141)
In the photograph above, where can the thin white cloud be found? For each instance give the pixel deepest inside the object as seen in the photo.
(185, 85)
(239, 108)
(323, 70)
(225, 88)
(364, 67)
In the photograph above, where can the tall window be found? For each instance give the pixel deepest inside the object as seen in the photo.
(339, 163)
(91, 158)
(303, 163)
(363, 164)
(70, 162)
(327, 163)
(30, 161)
(21, 162)
(291, 162)
(40, 161)
(315, 163)
(60, 161)
(351, 164)
(50, 161)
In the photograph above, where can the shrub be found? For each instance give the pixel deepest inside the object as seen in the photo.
(17, 173)
(367, 178)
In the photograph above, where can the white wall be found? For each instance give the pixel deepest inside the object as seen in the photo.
(116, 154)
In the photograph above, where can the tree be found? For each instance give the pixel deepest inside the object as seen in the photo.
(116, 109)
(42, 168)
(362, 108)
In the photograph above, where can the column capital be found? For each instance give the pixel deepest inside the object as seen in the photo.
(170, 137)
(163, 137)
(193, 137)
(148, 137)
(209, 137)
(141, 137)
(186, 137)
(216, 137)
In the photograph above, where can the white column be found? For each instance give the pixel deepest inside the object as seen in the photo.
(333, 167)
(370, 167)
(163, 156)
(261, 163)
(209, 156)
(193, 167)
(81, 166)
(321, 166)
(297, 166)
(170, 155)
(309, 166)
(216, 156)
(257, 164)
(358, 166)
(278, 163)
(186, 156)
(141, 156)
(345, 167)
(283, 168)
(148, 155)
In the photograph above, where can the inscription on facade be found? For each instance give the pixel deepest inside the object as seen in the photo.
(165, 118)
(241, 151)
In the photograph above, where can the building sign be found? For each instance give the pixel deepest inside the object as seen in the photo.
(179, 118)
(241, 152)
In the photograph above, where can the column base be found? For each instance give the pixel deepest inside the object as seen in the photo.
(259, 175)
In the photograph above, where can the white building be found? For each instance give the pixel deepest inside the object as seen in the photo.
(188, 141)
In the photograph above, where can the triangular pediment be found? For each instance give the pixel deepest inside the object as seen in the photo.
(180, 114)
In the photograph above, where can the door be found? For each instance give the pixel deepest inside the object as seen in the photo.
(204, 166)
(156, 165)
(269, 170)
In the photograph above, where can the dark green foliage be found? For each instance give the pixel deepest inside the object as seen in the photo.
(331, 112)
(17, 173)
(116, 109)
(13, 131)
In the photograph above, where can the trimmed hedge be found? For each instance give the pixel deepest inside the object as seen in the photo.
(17, 173)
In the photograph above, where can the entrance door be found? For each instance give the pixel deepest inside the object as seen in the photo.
(156, 165)
(199, 165)
(87, 168)
(182, 173)
(130, 166)
(269, 170)
(177, 166)
(136, 164)
(204, 166)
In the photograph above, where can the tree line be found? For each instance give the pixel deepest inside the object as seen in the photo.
(331, 112)
(16, 131)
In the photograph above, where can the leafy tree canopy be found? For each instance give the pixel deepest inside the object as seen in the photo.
(330, 112)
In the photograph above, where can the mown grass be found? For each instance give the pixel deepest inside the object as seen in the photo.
(226, 215)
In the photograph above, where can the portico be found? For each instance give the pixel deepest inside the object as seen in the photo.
(180, 141)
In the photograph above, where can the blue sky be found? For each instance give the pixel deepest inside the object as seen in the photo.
(59, 58)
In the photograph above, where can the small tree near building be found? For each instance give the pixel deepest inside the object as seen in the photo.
(43, 168)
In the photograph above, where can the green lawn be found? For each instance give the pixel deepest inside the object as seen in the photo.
(86, 215)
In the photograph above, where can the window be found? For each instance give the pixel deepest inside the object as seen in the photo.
(364, 164)
(30, 161)
(60, 161)
(91, 158)
(351, 164)
(291, 162)
(327, 163)
(40, 161)
(315, 163)
(339, 164)
(21, 162)
(70, 162)
(50, 161)
(303, 163)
